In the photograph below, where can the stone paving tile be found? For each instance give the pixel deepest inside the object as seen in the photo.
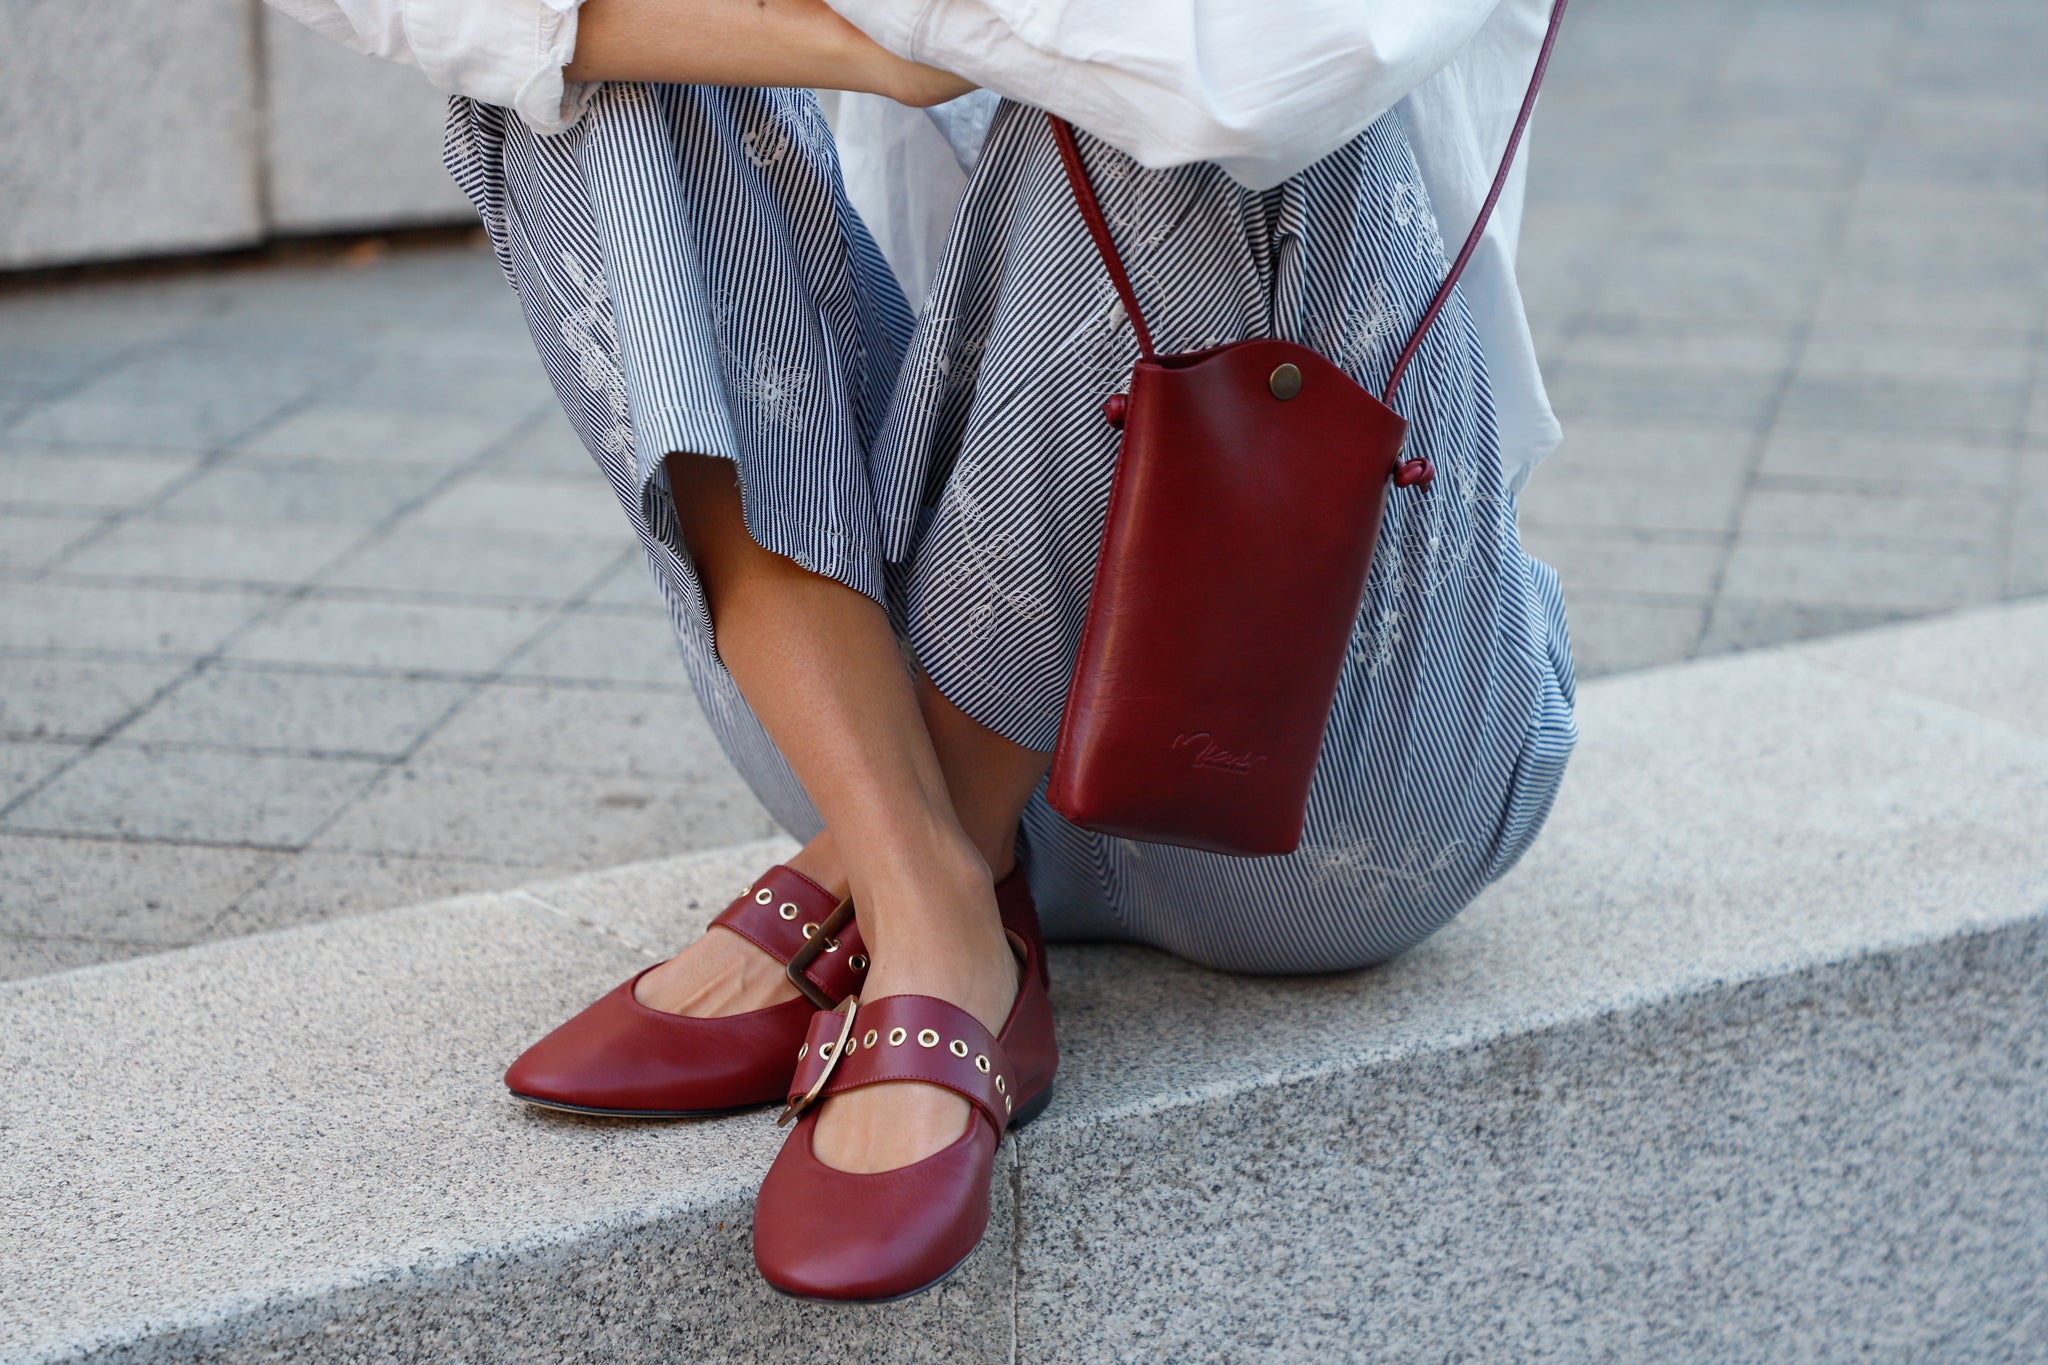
(1743, 623)
(146, 620)
(283, 372)
(1613, 634)
(1647, 446)
(519, 388)
(604, 646)
(495, 562)
(403, 635)
(359, 714)
(547, 444)
(1746, 347)
(75, 698)
(1889, 403)
(1843, 456)
(327, 491)
(32, 542)
(164, 547)
(1954, 518)
(1680, 282)
(1896, 578)
(544, 820)
(22, 956)
(89, 480)
(314, 886)
(1701, 497)
(523, 727)
(492, 499)
(1669, 564)
(198, 422)
(1734, 398)
(1917, 354)
(2026, 564)
(630, 585)
(194, 795)
(111, 890)
(377, 436)
(1901, 296)
(1782, 219)
(34, 353)
(23, 763)
(121, 891)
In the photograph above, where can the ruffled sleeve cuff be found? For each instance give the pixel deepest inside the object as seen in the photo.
(504, 52)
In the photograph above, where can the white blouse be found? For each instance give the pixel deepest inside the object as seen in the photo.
(1262, 89)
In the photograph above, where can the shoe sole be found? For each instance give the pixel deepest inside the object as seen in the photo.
(1031, 1110)
(588, 1112)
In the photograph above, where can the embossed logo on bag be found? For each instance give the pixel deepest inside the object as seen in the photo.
(1205, 752)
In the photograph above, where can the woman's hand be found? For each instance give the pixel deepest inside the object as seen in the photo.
(745, 42)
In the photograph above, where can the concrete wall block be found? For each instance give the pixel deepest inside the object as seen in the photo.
(350, 142)
(131, 129)
(1837, 1164)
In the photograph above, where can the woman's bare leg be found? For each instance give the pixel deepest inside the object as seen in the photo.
(821, 669)
(990, 778)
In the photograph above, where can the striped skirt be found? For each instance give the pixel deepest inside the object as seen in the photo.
(695, 280)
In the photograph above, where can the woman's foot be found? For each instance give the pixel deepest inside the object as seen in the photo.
(621, 1056)
(900, 1197)
(723, 974)
(962, 956)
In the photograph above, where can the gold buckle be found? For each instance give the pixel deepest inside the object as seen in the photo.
(823, 941)
(797, 1106)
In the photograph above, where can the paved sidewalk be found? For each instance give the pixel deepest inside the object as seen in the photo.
(1788, 264)
(309, 602)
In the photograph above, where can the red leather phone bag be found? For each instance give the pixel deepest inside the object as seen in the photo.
(1232, 570)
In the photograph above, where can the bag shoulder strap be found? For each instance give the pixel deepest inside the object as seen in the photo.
(1098, 228)
(1105, 243)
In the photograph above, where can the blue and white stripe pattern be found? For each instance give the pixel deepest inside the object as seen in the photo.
(717, 262)
(1453, 719)
(695, 280)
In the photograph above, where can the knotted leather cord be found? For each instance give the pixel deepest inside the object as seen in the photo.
(1105, 243)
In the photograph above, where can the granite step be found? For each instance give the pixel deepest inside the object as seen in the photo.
(1747, 1061)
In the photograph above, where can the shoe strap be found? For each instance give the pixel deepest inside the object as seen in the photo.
(904, 1038)
(781, 911)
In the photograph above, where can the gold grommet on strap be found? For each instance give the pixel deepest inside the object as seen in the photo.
(810, 931)
(825, 1051)
(957, 1048)
(868, 1041)
(1285, 382)
(1001, 1089)
(852, 1046)
(858, 962)
(927, 1038)
(803, 1052)
(1006, 1104)
(787, 910)
(764, 895)
(896, 1037)
(831, 945)
(980, 1064)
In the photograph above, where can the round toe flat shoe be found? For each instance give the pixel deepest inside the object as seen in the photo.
(623, 1059)
(848, 1237)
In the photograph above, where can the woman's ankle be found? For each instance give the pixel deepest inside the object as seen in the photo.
(820, 861)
